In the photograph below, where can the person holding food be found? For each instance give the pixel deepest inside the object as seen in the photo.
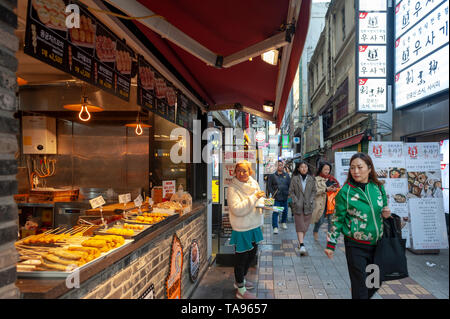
(361, 205)
(325, 182)
(303, 192)
(246, 220)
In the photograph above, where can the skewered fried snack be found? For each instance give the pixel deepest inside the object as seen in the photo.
(136, 227)
(59, 267)
(72, 255)
(118, 231)
(97, 243)
(58, 260)
(89, 250)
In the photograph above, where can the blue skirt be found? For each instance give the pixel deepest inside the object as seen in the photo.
(243, 239)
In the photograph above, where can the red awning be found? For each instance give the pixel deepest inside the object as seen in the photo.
(224, 28)
(348, 142)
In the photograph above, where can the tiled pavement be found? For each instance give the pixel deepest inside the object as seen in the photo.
(282, 274)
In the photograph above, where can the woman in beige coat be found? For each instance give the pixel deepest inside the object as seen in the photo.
(303, 192)
(325, 182)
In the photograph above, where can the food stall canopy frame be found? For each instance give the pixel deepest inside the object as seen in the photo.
(216, 46)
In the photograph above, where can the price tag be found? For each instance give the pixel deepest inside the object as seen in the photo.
(138, 201)
(97, 202)
(125, 198)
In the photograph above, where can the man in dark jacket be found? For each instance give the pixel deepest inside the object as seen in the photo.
(278, 184)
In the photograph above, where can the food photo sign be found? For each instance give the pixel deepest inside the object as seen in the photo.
(425, 197)
(173, 280)
(389, 162)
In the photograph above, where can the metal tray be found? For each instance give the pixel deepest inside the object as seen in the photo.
(152, 227)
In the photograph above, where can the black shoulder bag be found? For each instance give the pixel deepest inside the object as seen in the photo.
(390, 253)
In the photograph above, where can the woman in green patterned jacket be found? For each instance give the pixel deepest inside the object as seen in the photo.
(361, 205)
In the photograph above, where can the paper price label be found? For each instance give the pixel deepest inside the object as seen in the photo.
(138, 201)
(125, 198)
(97, 202)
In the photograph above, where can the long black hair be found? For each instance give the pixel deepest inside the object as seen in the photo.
(368, 160)
(297, 166)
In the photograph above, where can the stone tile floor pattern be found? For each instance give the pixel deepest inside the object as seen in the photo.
(282, 274)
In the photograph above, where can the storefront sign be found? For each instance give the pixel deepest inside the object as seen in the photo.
(194, 261)
(149, 293)
(425, 198)
(426, 78)
(285, 141)
(342, 165)
(91, 52)
(169, 187)
(421, 50)
(173, 280)
(182, 111)
(445, 172)
(371, 56)
(389, 162)
(260, 136)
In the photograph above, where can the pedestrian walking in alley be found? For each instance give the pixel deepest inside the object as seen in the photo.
(361, 205)
(278, 186)
(303, 193)
(325, 182)
(246, 221)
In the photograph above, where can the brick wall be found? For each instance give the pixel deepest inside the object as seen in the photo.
(9, 128)
(132, 275)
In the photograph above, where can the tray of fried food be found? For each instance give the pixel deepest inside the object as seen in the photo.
(117, 231)
(149, 218)
(168, 207)
(45, 239)
(104, 242)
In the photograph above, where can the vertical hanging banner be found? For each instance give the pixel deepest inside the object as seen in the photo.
(146, 84)
(371, 56)
(389, 162)
(425, 200)
(173, 279)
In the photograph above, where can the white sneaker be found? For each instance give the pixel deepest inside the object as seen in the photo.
(303, 251)
(275, 230)
(284, 226)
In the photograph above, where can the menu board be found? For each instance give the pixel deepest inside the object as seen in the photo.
(146, 84)
(389, 162)
(171, 98)
(91, 52)
(425, 198)
(182, 111)
(342, 165)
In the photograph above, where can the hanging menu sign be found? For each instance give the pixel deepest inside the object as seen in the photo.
(91, 52)
(371, 56)
(171, 98)
(146, 84)
(182, 111)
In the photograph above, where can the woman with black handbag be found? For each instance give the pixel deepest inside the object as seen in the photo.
(361, 205)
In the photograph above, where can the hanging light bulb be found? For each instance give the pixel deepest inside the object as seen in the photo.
(85, 119)
(84, 108)
(139, 129)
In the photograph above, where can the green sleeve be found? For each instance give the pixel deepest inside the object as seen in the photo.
(338, 219)
(383, 194)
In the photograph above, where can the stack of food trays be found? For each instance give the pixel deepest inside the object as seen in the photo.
(60, 252)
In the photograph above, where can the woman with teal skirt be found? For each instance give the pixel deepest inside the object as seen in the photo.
(246, 221)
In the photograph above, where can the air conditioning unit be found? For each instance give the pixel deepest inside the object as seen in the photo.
(38, 135)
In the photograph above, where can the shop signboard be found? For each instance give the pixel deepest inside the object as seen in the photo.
(445, 172)
(390, 167)
(342, 165)
(421, 50)
(371, 56)
(92, 53)
(173, 279)
(146, 84)
(285, 141)
(260, 136)
(182, 111)
(194, 261)
(425, 198)
(215, 191)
